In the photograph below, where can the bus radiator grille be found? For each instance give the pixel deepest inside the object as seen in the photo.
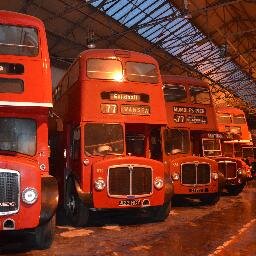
(9, 192)
(195, 173)
(130, 180)
(228, 169)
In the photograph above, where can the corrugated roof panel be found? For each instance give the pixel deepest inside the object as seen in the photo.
(161, 23)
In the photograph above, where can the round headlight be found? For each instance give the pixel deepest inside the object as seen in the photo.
(29, 195)
(42, 167)
(239, 171)
(158, 183)
(99, 184)
(215, 175)
(175, 176)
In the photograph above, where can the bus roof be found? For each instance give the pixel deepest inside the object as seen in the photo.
(183, 79)
(8, 17)
(105, 53)
(229, 110)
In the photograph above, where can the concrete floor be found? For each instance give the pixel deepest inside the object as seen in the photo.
(227, 228)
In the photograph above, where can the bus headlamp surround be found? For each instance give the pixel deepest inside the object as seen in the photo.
(215, 175)
(29, 195)
(99, 184)
(158, 183)
(175, 176)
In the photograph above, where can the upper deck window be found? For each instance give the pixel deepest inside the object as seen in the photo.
(239, 119)
(175, 93)
(104, 69)
(18, 135)
(200, 95)
(16, 40)
(224, 118)
(176, 141)
(103, 139)
(141, 72)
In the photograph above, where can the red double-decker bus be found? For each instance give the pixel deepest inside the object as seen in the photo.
(232, 122)
(28, 194)
(238, 143)
(190, 113)
(189, 105)
(107, 156)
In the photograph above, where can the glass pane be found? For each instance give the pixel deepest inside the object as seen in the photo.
(224, 118)
(135, 144)
(16, 40)
(247, 152)
(11, 85)
(18, 135)
(176, 141)
(104, 69)
(211, 147)
(141, 72)
(175, 93)
(238, 150)
(239, 119)
(228, 149)
(200, 95)
(103, 139)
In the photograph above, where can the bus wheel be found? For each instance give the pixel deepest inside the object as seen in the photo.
(76, 211)
(160, 213)
(210, 199)
(44, 234)
(234, 191)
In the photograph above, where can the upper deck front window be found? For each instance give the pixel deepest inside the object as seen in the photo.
(107, 69)
(18, 135)
(175, 93)
(176, 141)
(16, 40)
(239, 119)
(102, 139)
(200, 95)
(211, 147)
(224, 118)
(141, 72)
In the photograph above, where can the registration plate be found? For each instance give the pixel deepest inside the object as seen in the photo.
(196, 190)
(132, 202)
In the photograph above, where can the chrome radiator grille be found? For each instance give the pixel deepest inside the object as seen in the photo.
(129, 180)
(195, 173)
(228, 169)
(9, 191)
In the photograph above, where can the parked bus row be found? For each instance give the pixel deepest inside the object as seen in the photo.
(122, 137)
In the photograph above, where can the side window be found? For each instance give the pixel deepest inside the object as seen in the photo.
(75, 143)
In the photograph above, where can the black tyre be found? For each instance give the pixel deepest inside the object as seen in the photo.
(210, 199)
(76, 211)
(44, 234)
(160, 213)
(234, 191)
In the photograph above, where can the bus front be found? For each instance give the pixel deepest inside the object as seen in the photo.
(189, 112)
(28, 194)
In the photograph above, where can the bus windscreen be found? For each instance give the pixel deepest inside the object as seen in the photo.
(18, 135)
(103, 139)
